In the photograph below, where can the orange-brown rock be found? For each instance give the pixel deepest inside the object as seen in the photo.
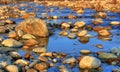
(30, 42)
(33, 26)
(97, 28)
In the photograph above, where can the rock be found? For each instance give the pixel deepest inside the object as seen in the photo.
(70, 16)
(39, 50)
(82, 33)
(102, 14)
(80, 11)
(63, 69)
(98, 28)
(15, 55)
(79, 24)
(3, 64)
(33, 26)
(9, 21)
(107, 55)
(89, 62)
(31, 70)
(84, 39)
(65, 26)
(73, 30)
(41, 66)
(33, 63)
(103, 32)
(115, 51)
(97, 21)
(12, 68)
(115, 70)
(30, 42)
(43, 59)
(2, 23)
(12, 43)
(85, 51)
(27, 55)
(20, 33)
(12, 34)
(115, 23)
(63, 33)
(2, 29)
(46, 54)
(72, 36)
(21, 62)
(55, 17)
(99, 46)
(28, 36)
(69, 60)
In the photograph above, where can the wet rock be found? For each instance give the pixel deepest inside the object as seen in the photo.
(21, 62)
(65, 26)
(33, 26)
(39, 50)
(28, 36)
(55, 17)
(73, 30)
(85, 51)
(12, 43)
(1, 70)
(9, 21)
(103, 33)
(72, 36)
(2, 23)
(30, 42)
(41, 66)
(70, 16)
(102, 14)
(20, 33)
(89, 62)
(27, 55)
(31, 70)
(97, 21)
(69, 60)
(81, 11)
(12, 34)
(79, 24)
(84, 39)
(63, 69)
(63, 33)
(46, 54)
(3, 64)
(33, 63)
(99, 46)
(15, 55)
(115, 23)
(98, 28)
(115, 51)
(42, 58)
(12, 68)
(2, 29)
(107, 55)
(82, 33)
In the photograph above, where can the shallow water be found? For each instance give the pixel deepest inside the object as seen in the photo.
(72, 47)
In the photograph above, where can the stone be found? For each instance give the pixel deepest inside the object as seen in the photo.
(79, 24)
(73, 30)
(98, 28)
(39, 50)
(9, 21)
(69, 60)
(84, 39)
(89, 62)
(41, 66)
(3, 64)
(46, 54)
(103, 32)
(33, 26)
(55, 17)
(80, 11)
(102, 14)
(27, 55)
(82, 33)
(99, 46)
(107, 55)
(97, 21)
(31, 70)
(115, 50)
(30, 42)
(43, 59)
(12, 43)
(28, 36)
(63, 33)
(20, 33)
(12, 34)
(85, 51)
(65, 26)
(21, 62)
(12, 68)
(63, 69)
(115, 23)
(72, 36)
(15, 55)
(2, 29)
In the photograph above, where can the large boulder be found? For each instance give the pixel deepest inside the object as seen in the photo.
(89, 62)
(33, 26)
